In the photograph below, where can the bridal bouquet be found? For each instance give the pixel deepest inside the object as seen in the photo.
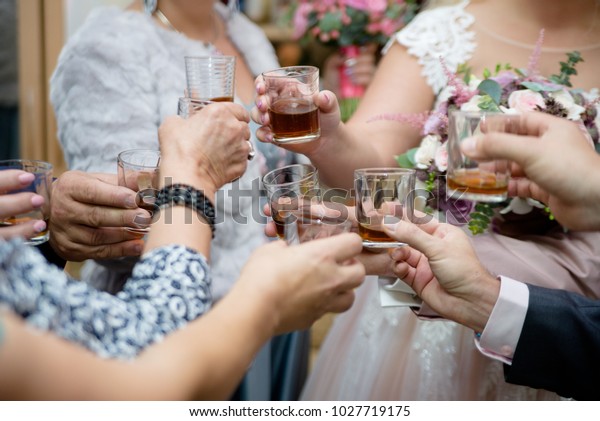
(505, 89)
(350, 22)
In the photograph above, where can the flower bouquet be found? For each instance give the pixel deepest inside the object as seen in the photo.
(507, 90)
(348, 25)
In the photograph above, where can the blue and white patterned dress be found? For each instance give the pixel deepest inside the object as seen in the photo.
(169, 287)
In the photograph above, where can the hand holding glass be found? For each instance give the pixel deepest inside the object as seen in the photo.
(138, 169)
(293, 114)
(41, 185)
(383, 196)
(469, 179)
(291, 190)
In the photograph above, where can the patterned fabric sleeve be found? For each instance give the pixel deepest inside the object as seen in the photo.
(169, 287)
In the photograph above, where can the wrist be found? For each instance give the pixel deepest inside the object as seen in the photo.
(189, 176)
(478, 303)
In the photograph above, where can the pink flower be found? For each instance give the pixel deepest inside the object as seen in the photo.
(301, 19)
(526, 100)
(372, 6)
(388, 27)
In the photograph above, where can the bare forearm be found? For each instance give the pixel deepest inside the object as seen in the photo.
(344, 152)
(208, 358)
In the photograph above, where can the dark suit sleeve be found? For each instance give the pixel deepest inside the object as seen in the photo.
(559, 346)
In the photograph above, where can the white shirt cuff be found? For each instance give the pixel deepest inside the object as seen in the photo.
(501, 334)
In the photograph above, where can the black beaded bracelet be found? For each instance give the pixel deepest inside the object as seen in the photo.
(182, 194)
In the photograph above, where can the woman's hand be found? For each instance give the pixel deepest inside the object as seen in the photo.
(212, 146)
(303, 282)
(19, 203)
(329, 116)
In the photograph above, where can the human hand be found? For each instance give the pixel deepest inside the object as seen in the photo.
(88, 213)
(442, 268)
(212, 146)
(360, 69)
(375, 261)
(556, 165)
(303, 282)
(329, 116)
(19, 203)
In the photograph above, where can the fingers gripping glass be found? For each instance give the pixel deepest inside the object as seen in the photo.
(383, 196)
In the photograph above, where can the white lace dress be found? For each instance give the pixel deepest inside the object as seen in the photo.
(375, 353)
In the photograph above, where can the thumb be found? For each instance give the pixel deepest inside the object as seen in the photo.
(498, 145)
(417, 236)
(327, 101)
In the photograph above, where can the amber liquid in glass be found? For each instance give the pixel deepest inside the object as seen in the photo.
(478, 182)
(374, 236)
(222, 99)
(292, 118)
(12, 220)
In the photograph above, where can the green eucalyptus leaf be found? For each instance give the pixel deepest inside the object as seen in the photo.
(491, 88)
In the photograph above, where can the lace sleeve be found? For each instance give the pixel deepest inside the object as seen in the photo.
(439, 33)
(170, 286)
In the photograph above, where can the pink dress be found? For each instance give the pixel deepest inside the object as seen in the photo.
(375, 353)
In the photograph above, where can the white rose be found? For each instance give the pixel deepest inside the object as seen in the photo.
(427, 151)
(441, 158)
(525, 100)
(472, 105)
(565, 99)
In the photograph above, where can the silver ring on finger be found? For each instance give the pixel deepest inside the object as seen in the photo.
(252, 152)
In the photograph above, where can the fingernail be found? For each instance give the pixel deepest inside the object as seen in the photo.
(130, 202)
(259, 104)
(37, 200)
(137, 248)
(326, 97)
(391, 226)
(469, 144)
(269, 137)
(142, 220)
(39, 226)
(26, 178)
(395, 254)
(262, 118)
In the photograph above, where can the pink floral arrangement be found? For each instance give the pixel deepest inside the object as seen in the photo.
(505, 89)
(350, 22)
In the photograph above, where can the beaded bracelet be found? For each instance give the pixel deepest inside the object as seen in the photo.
(182, 194)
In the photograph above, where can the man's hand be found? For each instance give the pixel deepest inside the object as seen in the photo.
(89, 214)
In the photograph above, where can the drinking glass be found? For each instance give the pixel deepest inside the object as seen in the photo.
(188, 106)
(211, 78)
(468, 179)
(314, 226)
(293, 114)
(383, 196)
(42, 185)
(291, 191)
(138, 169)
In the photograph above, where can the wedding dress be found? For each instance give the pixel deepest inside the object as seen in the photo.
(376, 353)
